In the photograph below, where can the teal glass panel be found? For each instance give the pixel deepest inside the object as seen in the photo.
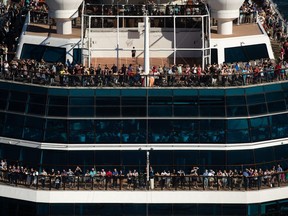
(56, 131)
(60, 111)
(134, 93)
(212, 124)
(259, 122)
(254, 90)
(108, 111)
(58, 92)
(58, 100)
(107, 101)
(211, 101)
(211, 160)
(260, 134)
(34, 122)
(211, 92)
(33, 134)
(81, 125)
(80, 111)
(255, 99)
(276, 106)
(236, 111)
(160, 100)
(39, 90)
(81, 92)
(185, 92)
(272, 87)
(240, 159)
(185, 100)
(284, 86)
(81, 101)
(235, 92)
(157, 111)
(14, 126)
(279, 127)
(275, 96)
(134, 111)
(160, 92)
(235, 100)
(238, 136)
(108, 131)
(108, 92)
(186, 131)
(185, 110)
(134, 131)
(265, 157)
(131, 101)
(212, 111)
(81, 136)
(236, 124)
(160, 131)
(212, 136)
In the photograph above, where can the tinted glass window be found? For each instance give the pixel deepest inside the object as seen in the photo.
(235, 100)
(57, 100)
(235, 111)
(246, 53)
(37, 98)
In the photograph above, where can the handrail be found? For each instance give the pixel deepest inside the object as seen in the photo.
(148, 80)
(156, 183)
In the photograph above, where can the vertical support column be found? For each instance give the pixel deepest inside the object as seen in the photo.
(147, 169)
(203, 43)
(63, 26)
(209, 38)
(89, 41)
(82, 32)
(118, 26)
(146, 46)
(175, 39)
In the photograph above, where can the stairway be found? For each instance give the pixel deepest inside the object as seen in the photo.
(276, 47)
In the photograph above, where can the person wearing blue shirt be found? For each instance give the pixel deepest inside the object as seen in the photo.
(205, 180)
(115, 175)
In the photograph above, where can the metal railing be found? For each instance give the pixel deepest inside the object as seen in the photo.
(148, 80)
(157, 182)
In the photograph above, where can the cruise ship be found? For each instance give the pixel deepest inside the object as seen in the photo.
(175, 127)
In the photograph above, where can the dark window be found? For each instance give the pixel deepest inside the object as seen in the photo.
(38, 52)
(246, 53)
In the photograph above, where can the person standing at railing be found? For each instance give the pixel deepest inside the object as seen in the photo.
(35, 177)
(93, 172)
(43, 175)
(87, 177)
(58, 180)
(103, 178)
(194, 174)
(205, 179)
(246, 175)
(115, 175)
(281, 175)
(70, 177)
(129, 179)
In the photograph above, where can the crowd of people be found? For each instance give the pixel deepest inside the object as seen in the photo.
(234, 74)
(151, 7)
(248, 178)
(70, 74)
